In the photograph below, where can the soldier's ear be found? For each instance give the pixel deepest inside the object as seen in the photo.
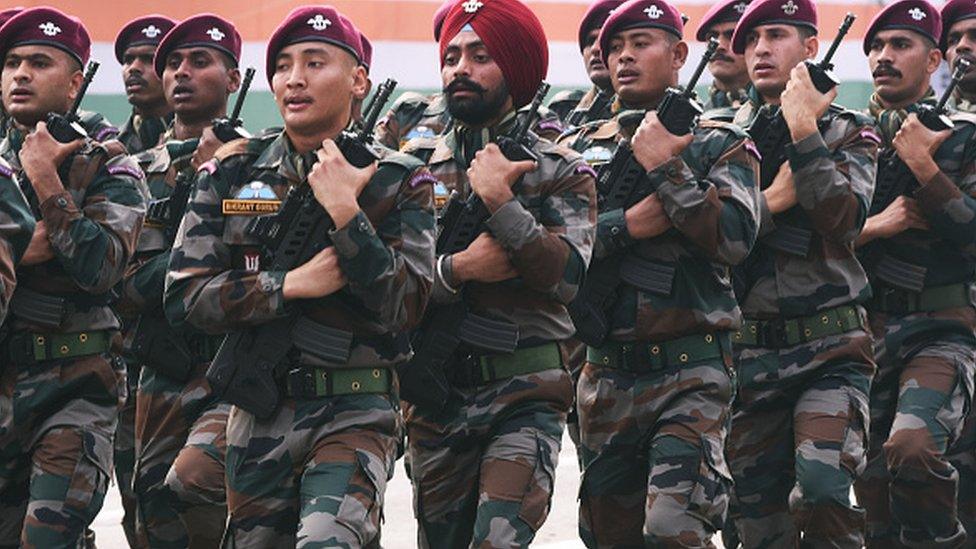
(233, 80)
(74, 86)
(812, 46)
(360, 83)
(680, 54)
(933, 60)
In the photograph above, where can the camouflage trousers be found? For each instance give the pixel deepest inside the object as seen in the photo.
(125, 458)
(920, 398)
(483, 469)
(312, 476)
(798, 441)
(576, 351)
(57, 420)
(654, 472)
(180, 432)
(962, 456)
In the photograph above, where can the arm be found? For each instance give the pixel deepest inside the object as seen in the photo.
(950, 206)
(16, 228)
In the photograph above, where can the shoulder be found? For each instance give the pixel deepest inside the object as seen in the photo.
(409, 102)
(566, 96)
(722, 114)
(848, 125)
(241, 149)
(849, 116)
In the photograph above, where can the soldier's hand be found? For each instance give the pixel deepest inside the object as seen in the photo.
(647, 218)
(802, 104)
(40, 156)
(485, 260)
(916, 145)
(781, 193)
(39, 249)
(492, 175)
(902, 214)
(318, 277)
(209, 143)
(337, 183)
(653, 144)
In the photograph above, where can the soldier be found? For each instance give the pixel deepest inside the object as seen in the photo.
(179, 424)
(312, 474)
(63, 380)
(958, 42)
(803, 354)
(921, 257)
(731, 79)
(135, 46)
(16, 228)
(654, 394)
(482, 468)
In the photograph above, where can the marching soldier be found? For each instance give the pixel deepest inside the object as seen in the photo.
(482, 466)
(730, 81)
(135, 46)
(803, 355)
(63, 380)
(919, 251)
(654, 397)
(311, 473)
(179, 423)
(16, 228)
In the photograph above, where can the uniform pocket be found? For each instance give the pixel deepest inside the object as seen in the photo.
(89, 480)
(362, 504)
(709, 496)
(853, 456)
(538, 490)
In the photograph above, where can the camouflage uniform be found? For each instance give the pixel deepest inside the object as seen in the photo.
(313, 474)
(654, 397)
(564, 102)
(16, 229)
(179, 426)
(414, 115)
(926, 353)
(803, 356)
(483, 469)
(722, 105)
(141, 133)
(97, 126)
(56, 437)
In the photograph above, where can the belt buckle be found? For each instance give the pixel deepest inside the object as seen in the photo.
(301, 383)
(20, 349)
(773, 334)
(895, 301)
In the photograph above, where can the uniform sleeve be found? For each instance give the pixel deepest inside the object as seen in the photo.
(551, 254)
(390, 266)
(835, 188)
(202, 287)
(142, 288)
(95, 240)
(720, 212)
(16, 228)
(950, 207)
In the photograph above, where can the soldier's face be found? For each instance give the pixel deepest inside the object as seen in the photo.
(598, 72)
(315, 85)
(772, 51)
(901, 64)
(38, 80)
(643, 63)
(473, 82)
(961, 44)
(726, 66)
(197, 82)
(143, 88)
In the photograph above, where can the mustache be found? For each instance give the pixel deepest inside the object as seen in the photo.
(464, 84)
(136, 80)
(886, 70)
(722, 57)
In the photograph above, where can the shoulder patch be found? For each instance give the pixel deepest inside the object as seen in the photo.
(751, 148)
(548, 126)
(423, 178)
(210, 166)
(233, 148)
(585, 169)
(122, 169)
(106, 133)
(871, 135)
(5, 169)
(605, 129)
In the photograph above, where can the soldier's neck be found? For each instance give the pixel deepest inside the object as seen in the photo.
(905, 103)
(305, 142)
(153, 110)
(186, 127)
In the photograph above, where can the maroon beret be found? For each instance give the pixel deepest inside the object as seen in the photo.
(799, 13)
(952, 12)
(148, 30)
(636, 14)
(913, 15)
(6, 14)
(439, 16)
(46, 26)
(367, 48)
(512, 34)
(314, 24)
(725, 11)
(595, 16)
(204, 30)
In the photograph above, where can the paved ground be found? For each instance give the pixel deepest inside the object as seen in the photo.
(399, 530)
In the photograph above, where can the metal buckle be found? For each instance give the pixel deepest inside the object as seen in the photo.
(773, 334)
(301, 383)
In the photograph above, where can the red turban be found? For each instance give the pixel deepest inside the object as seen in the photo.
(513, 36)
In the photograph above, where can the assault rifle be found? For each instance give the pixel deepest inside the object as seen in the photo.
(423, 379)
(231, 128)
(621, 183)
(246, 366)
(894, 177)
(67, 127)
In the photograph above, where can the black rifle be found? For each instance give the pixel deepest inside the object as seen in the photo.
(66, 128)
(423, 379)
(231, 128)
(894, 177)
(621, 183)
(244, 372)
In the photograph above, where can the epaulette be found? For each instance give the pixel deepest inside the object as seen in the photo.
(856, 117)
(405, 161)
(243, 147)
(566, 96)
(714, 124)
(416, 146)
(554, 149)
(601, 130)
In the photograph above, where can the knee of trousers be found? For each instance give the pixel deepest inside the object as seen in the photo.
(197, 478)
(822, 484)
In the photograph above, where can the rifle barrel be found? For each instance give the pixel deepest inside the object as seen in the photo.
(844, 28)
(962, 67)
(523, 126)
(373, 113)
(89, 76)
(709, 52)
(242, 93)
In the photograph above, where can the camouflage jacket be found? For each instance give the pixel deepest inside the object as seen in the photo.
(584, 104)
(93, 228)
(547, 231)
(414, 115)
(963, 105)
(16, 228)
(709, 193)
(833, 172)
(945, 254)
(97, 126)
(718, 99)
(140, 133)
(217, 279)
(564, 102)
